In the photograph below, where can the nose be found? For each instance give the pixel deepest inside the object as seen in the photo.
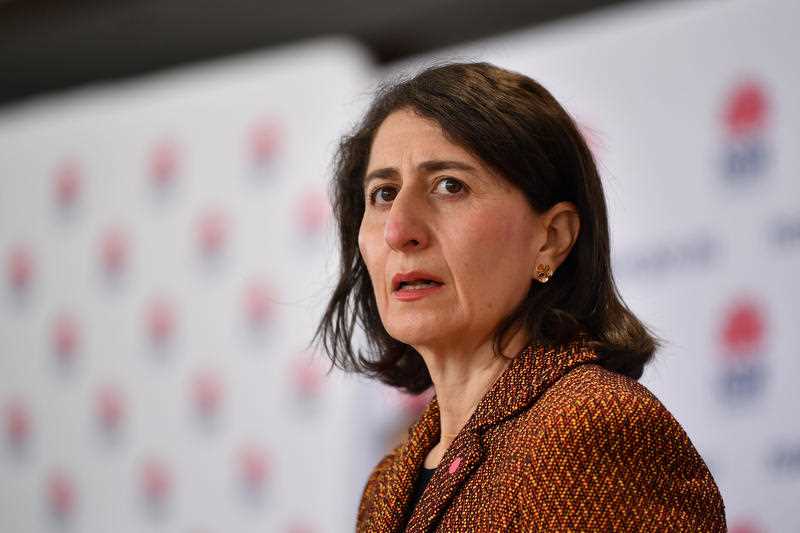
(406, 228)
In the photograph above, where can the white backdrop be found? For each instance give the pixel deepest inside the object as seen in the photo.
(167, 250)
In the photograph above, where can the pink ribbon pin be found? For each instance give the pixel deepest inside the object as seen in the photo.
(454, 465)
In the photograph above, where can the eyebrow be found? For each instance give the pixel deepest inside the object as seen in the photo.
(433, 165)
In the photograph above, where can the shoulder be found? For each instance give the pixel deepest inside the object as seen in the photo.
(614, 449)
(592, 398)
(592, 382)
(595, 414)
(371, 487)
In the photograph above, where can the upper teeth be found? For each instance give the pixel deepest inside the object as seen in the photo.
(417, 282)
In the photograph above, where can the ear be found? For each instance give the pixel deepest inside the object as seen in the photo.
(561, 224)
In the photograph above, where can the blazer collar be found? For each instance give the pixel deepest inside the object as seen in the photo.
(529, 374)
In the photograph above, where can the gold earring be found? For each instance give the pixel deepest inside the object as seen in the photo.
(543, 273)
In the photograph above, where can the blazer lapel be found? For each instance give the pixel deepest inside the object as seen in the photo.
(527, 376)
(389, 510)
(459, 462)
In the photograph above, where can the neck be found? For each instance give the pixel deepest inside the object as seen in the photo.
(462, 379)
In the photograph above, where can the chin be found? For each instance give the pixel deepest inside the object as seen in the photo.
(415, 335)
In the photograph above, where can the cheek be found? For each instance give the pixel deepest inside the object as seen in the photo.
(366, 239)
(492, 254)
(362, 243)
(368, 243)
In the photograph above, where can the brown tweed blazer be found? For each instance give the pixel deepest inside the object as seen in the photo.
(557, 444)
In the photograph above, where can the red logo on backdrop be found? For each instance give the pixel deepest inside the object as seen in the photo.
(19, 268)
(61, 495)
(312, 211)
(164, 165)
(745, 525)
(745, 116)
(253, 469)
(299, 527)
(307, 376)
(207, 394)
(160, 320)
(746, 109)
(18, 424)
(109, 409)
(65, 338)
(743, 332)
(212, 232)
(67, 183)
(257, 302)
(742, 342)
(265, 141)
(114, 250)
(156, 484)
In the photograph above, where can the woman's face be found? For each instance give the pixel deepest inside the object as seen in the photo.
(431, 206)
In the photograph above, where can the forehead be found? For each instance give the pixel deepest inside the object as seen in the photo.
(404, 135)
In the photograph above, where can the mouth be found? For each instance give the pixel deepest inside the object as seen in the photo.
(415, 280)
(418, 284)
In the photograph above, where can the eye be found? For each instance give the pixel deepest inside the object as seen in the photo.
(384, 193)
(452, 185)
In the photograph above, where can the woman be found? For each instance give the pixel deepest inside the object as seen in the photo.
(475, 256)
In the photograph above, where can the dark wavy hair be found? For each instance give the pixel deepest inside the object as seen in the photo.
(516, 127)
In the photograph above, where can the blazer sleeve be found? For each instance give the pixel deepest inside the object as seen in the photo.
(371, 488)
(617, 460)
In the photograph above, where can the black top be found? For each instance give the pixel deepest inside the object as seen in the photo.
(425, 475)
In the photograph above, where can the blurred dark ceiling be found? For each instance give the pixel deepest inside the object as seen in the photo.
(48, 45)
